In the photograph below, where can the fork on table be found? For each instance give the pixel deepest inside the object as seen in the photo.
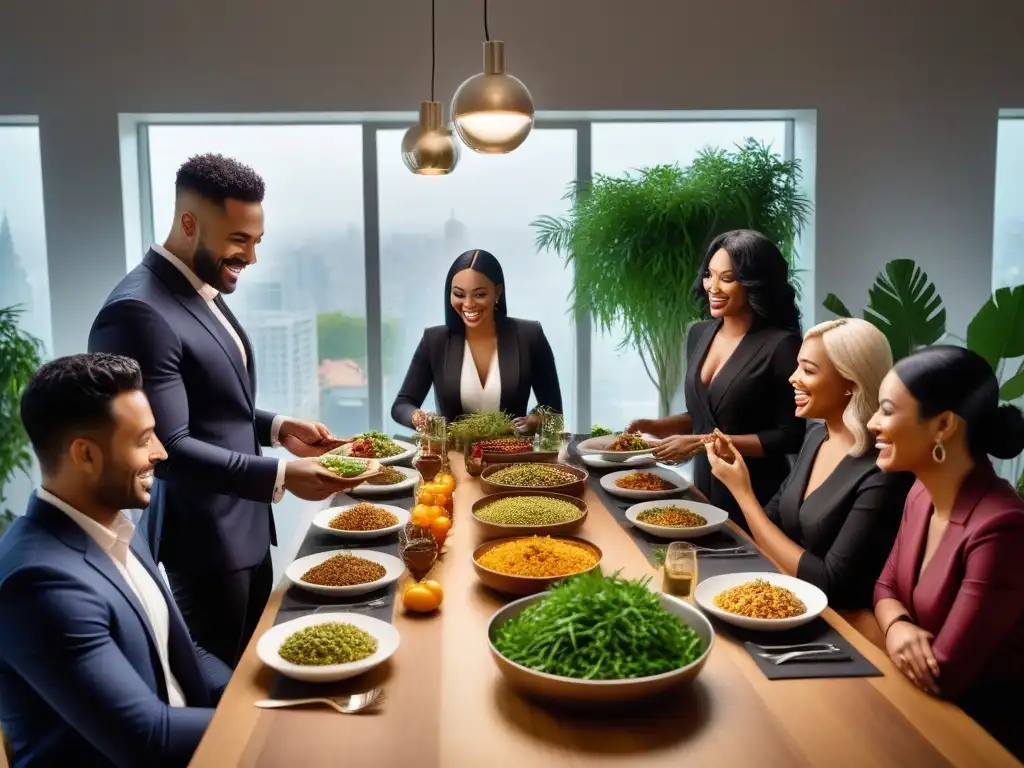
(346, 705)
(375, 603)
(780, 654)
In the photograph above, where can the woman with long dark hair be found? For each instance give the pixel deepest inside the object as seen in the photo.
(481, 359)
(738, 365)
(950, 600)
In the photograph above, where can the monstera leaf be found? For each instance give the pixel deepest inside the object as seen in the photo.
(997, 333)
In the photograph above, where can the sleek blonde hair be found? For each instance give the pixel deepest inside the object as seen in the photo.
(861, 354)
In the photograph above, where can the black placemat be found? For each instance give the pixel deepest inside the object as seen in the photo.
(817, 631)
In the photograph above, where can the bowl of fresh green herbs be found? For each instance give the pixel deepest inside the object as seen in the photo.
(599, 640)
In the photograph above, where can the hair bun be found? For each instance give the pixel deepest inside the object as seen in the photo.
(1004, 432)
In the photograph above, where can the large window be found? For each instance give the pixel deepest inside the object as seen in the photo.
(620, 388)
(1008, 237)
(24, 282)
(487, 203)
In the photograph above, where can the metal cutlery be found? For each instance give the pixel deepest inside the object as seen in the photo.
(822, 654)
(346, 705)
(792, 647)
(375, 603)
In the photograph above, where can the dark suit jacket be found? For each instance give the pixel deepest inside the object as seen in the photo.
(846, 526)
(210, 507)
(751, 394)
(524, 358)
(80, 680)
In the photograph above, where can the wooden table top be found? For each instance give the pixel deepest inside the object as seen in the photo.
(447, 704)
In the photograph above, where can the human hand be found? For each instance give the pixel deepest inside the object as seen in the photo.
(310, 480)
(678, 447)
(526, 425)
(642, 426)
(419, 420)
(306, 438)
(910, 649)
(727, 464)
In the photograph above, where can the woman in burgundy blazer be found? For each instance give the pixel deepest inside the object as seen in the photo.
(950, 599)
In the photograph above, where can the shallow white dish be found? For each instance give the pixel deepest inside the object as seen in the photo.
(594, 461)
(408, 451)
(681, 483)
(271, 641)
(716, 519)
(598, 446)
(393, 567)
(320, 522)
(810, 595)
(368, 490)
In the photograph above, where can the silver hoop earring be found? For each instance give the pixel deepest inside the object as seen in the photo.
(939, 452)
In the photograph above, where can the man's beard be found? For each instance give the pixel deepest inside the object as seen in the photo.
(115, 491)
(207, 268)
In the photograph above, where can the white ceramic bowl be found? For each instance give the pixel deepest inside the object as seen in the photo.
(369, 490)
(594, 461)
(271, 641)
(393, 567)
(809, 594)
(716, 519)
(681, 483)
(600, 692)
(598, 446)
(323, 518)
(408, 451)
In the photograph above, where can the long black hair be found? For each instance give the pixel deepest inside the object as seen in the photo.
(762, 270)
(947, 378)
(488, 266)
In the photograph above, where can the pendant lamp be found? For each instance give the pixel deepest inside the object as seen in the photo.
(429, 148)
(493, 111)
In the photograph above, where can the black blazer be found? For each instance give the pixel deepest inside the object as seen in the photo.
(524, 357)
(848, 524)
(210, 507)
(750, 394)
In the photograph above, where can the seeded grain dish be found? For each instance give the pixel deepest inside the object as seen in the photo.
(672, 517)
(327, 644)
(644, 481)
(363, 517)
(529, 510)
(344, 571)
(387, 476)
(532, 476)
(760, 599)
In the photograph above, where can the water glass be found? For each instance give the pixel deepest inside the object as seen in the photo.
(680, 572)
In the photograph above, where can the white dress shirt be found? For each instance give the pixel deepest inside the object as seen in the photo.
(209, 294)
(477, 397)
(115, 542)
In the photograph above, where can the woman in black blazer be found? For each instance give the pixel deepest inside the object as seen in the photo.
(737, 365)
(480, 359)
(835, 518)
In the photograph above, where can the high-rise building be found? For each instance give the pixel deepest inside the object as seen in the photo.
(286, 361)
(15, 289)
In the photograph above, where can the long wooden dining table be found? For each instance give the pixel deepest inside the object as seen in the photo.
(447, 705)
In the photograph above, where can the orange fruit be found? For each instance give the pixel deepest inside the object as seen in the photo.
(435, 589)
(421, 516)
(435, 512)
(420, 598)
(446, 481)
(440, 527)
(425, 497)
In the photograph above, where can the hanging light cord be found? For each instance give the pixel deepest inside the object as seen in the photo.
(487, 31)
(433, 49)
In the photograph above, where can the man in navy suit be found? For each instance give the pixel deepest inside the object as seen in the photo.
(96, 664)
(210, 522)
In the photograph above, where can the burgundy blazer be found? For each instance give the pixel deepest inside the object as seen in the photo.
(971, 594)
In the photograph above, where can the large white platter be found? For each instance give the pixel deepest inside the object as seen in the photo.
(599, 446)
(681, 483)
(716, 519)
(393, 567)
(810, 595)
(323, 518)
(408, 451)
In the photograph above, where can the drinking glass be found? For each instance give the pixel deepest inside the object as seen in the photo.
(680, 572)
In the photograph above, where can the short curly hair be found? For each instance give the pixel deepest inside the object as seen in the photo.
(217, 178)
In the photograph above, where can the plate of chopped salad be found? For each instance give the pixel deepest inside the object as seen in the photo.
(618, 448)
(376, 445)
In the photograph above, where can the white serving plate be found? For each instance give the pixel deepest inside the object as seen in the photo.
(369, 491)
(716, 519)
(681, 483)
(320, 522)
(271, 641)
(594, 461)
(408, 451)
(598, 446)
(393, 566)
(812, 597)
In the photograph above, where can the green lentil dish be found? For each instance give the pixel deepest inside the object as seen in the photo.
(342, 466)
(595, 627)
(529, 510)
(327, 644)
(532, 476)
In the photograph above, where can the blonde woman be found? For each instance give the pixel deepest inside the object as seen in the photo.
(835, 518)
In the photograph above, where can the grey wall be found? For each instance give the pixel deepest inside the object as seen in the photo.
(906, 94)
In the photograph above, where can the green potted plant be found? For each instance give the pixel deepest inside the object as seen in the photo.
(905, 305)
(20, 356)
(635, 243)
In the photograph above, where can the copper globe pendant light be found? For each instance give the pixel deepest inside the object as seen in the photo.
(429, 148)
(493, 111)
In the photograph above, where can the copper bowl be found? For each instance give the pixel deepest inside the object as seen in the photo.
(502, 530)
(525, 585)
(600, 693)
(575, 488)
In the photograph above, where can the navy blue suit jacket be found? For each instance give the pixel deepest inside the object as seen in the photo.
(80, 680)
(210, 507)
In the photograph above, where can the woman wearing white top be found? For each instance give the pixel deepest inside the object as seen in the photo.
(480, 359)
